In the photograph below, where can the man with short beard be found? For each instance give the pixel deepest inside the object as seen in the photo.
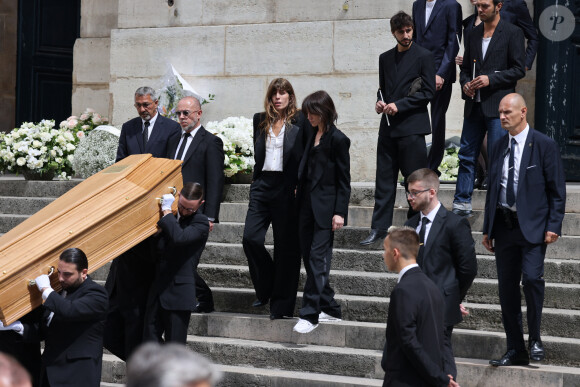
(406, 85)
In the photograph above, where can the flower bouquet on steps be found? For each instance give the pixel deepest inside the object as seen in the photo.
(237, 135)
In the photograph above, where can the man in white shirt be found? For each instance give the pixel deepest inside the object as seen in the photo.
(446, 254)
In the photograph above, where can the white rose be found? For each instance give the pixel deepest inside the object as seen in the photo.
(97, 119)
(70, 147)
(21, 161)
(70, 158)
(72, 123)
(84, 116)
(53, 153)
(36, 144)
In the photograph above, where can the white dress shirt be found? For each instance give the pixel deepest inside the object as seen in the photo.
(189, 140)
(431, 216)
(519, 149)
(274, 151)
(428, 9)
(151, 124)
(406, 269)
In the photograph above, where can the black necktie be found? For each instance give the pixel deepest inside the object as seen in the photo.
(145, 133)
(424, 222)
(182, 147)
(510, 195)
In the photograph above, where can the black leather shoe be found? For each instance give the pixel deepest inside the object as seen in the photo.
(537, 352)
(203, 308)
(512, 357)
(259, 303)
(374, 236)
(463, 213)
(279, 316)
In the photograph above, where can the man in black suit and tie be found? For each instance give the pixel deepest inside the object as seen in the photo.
(406, 85)
(131, 273)
(71, 325)
(438, 29)
(524, 209)
(413, 354)
(517, 13)
(202, 154)
(492, 64)
(447, 252)
(179, 246)
(147, 133)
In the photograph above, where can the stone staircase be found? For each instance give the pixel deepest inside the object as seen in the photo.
(251, 350)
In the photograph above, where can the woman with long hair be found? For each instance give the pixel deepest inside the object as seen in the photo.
(279, 139)
(323, 196)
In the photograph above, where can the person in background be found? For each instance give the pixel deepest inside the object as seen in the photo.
(12, 374)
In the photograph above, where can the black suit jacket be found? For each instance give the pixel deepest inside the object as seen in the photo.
(203, 164)
(541, 196)
(503, 64)
(179, 247)
(295, 138)
(440, 34)
(131, 138)
(412, 354)
(516, 12)
(73, 348)
(449, 259)
(330, 185)
(395, 82)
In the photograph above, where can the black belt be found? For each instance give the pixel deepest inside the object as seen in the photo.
(509, 217)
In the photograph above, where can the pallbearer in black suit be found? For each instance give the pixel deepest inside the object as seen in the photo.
(524, 210)
(178, 248)
(406, 85)
(323, 195)
(447, 255)
(279, 140)
(413, 354)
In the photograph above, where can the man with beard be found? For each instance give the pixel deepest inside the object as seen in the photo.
(71, 325)
(446, 254)
(406, 85)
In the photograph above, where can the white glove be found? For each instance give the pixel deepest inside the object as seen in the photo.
(42, 281)
(15, 326)
(166, 202)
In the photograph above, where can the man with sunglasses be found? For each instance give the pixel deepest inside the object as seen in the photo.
(178, 248)
(446, 254)
(202, 154)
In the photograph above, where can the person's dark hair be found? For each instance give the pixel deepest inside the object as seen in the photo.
(405, 239)
(401, 20)
(321, 104)
(425, 175)
(192, 191)
(272, 114)
(76, 256)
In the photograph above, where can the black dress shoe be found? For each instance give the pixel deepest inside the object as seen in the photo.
(512, 357)
(537, 352)
(203, 308)
(279, 316)
(484, 184)
(259, 303)
(463, 213)
(374, 236)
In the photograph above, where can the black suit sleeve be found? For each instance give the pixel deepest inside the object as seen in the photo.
(454, 18)
(122, 151)
(421, 97)
(342, 171)
(524, 21)
(197, 231)
(555, 188)
(515, 62)
(215, 177)
(89, 307)
(464, 259)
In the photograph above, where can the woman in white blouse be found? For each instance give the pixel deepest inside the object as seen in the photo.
(280, 134)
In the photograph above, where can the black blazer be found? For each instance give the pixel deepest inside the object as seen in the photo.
(541, 196)
(440, 34)
(395, 82)
(131, 138)
(179, 247)
(412, 354)
(503, 64)
(517, 13)
(73, 348)
(449, 259)
(330, 186)
(295, 138)
(203, 164)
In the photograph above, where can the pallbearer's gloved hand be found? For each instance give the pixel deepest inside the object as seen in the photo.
(166, 202)
(15, 326)
(43, 282)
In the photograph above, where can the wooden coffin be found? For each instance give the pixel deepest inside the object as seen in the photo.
(104, 216)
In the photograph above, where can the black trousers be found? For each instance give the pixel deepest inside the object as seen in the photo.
(272, 201)
(517, 259)
(163, 325)
(406, 154)
(439, 106)
(202, 290)
(449, 365)
(316, 246)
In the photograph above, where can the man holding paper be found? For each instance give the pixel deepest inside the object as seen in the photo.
(406, 85)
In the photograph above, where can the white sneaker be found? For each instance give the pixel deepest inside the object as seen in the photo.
(326, 317)
(304, 326)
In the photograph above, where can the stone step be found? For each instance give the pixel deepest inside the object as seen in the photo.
(566, 247)
(555, 322)
(482, 291)
(23, 205)
(17, 186)
(366, 335)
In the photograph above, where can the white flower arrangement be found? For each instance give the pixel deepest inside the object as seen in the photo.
(449, 166)
(237, 135)
(96, 151)
(38, 148)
